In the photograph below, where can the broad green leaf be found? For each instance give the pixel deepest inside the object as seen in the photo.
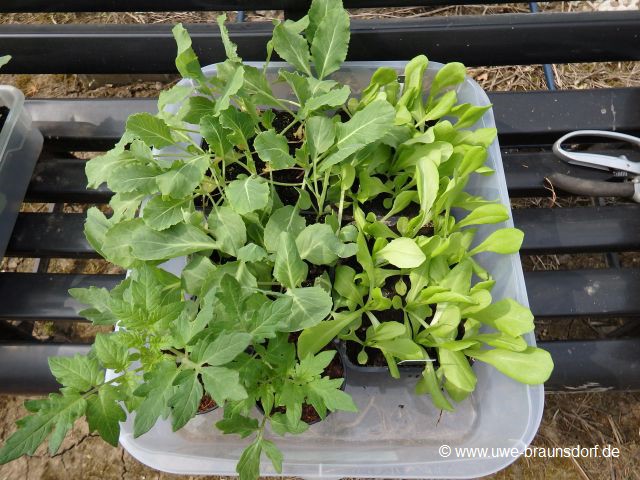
(270, 318)
(331, 41)
(104, 414)
(428, 182)
(223, 384)
(99, 169)
(532, 366)
(298, 84)
(366, 126)
(4, 60)
(98, 298)
(333, 98)
(284, 219)
(243, 426)
(161, 213)
(504, 241)
(134, 177)
(449, 75)
(118, 241)
(310, 306)
(273, 149)
(317, 12)
(441, 107)
(257, 86)
(186, 60)
(231, 86)
(173, 96)
(506, 316)
(80, 371)
(485, 214)
(411, 99)
(468, 115)
(320, 134)
(241, 126)
(289, 269)
(186, 398)
(429, 384)
(215, 135)
(195, 108)
(292, 47)
(251, 253)
(156, 392)
(501, 340)
(402, 348)
(274, 454)
(403, 253)
(457, 369)
(125, 205)
(95, 228)
(195, 273)
(473, 159)
(314, 339)
(315, 244)
(224, 348)
(151, 130)
(181, 239)
(184, 177)
(229, 230)
(110, 352)
(248, 195)
(59, 412)
(230, 49)
(248, 466)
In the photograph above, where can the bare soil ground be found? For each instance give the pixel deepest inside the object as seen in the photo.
(569, 419)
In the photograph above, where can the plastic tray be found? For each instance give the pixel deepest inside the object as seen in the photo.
(396, 434)
(20, 146)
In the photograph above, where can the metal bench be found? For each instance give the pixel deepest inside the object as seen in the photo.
(528, 123)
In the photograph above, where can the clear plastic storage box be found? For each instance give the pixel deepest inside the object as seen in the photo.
(20, 146)
(396, 434)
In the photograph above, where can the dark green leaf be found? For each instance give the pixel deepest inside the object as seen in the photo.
(223, 384)
(80, 371)
(104, 414)
(173, 242)
(248, 194)
(161, 213)
(331, 41)
(151, 130)
(273, 149)
(229, 230)
(289, 269)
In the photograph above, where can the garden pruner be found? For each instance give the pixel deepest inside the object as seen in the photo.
(621, 166)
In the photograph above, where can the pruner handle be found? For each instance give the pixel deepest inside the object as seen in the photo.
(594, 188)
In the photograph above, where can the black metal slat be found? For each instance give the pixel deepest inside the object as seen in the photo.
(595, 365)
(43, 296)
(582, 229)
(570, 293)
(524, 39)
(64, 180)
(526, 172)
(587, 293)
(521, 118)
(50, 235)
(579, 365)
(26, 6)
(559, 230)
